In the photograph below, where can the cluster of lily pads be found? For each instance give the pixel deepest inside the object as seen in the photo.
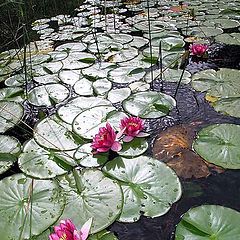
(101, 77)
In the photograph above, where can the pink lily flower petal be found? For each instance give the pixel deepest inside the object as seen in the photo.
(84, 232)
(116, 147)
(128, 138)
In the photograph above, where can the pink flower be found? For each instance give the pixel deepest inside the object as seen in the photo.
(105, 140)
(131, 127)
(67, 231)
(198, 49)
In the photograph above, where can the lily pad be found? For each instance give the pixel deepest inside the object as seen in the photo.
(48, 94)
(205, 31)
(10, 147)
(87, 123)
(229, 106)
(209, 222)
(218, 84)
(126, 74)
(103, 235)
(134, 148)
(118, 95)
(70, 76)
(93, 195)
(229, 38)
(149, 186)
(219, 144)
(83, 87)
(77, 105)
(86, 158)
(10, 114)
(102, 86)
(28, 206)
(37, 162)
(149, 104)
(55, 134)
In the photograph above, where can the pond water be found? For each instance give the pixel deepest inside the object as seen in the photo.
(137, 51)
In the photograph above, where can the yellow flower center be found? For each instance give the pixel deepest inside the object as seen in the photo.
(63, 237)
(133, 124)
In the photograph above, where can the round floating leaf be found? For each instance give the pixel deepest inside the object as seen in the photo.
(121, 37)
(98, 70)
(149, 186)
(70, 76)
(118, 95)
(123, 55)
(16, 80)
(140, 86)
(102, 86)
(229, 106)
(209, 222)
(169, 43)
(126, 74)
(89, 194)
(222, 83)
(40, 163)
(134, 148)
(229, 38)
(149, 104)
(78, 60)
(77, 105)
(205, 31)
(87, 123)
(219, 144)
(174, 75)
(51, 78)
(86, 158)
(47, 68)
(103, 235)
(19, 213)
(83, 87)
(42, 236)
(48, 95)
(10, 114)
(71, 47)
(9, 149)
(222, 23)
(53, 133)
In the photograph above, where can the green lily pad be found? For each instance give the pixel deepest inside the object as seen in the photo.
(89, 194)
(10, 114)
(219, 144)
(149, 186)
(42, 236)
(50, 78)
(103, 235)
(37, 162)
(10, 147)
(70, 76)
(55, 134)
(205, 31)
(149, 104)
(86, 158)
(126, 74)
(77, 105)
(134, 148)
(102, 86)
(169, 43)
(223, 23)
(87, 123)
(21, 215)
(118, 95)
(83, 87)
(229, 38)
(48, 94)
(16, 80)
(71, 47)
(98, 70)
(219, 84)
(229, 106)
(209, 222)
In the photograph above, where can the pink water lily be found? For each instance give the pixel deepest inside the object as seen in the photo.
(105, 140)
(66, 230)
(198, 49)
(131, 127)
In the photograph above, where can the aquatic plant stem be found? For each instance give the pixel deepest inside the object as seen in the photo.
(150, 39)
(160, 65)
